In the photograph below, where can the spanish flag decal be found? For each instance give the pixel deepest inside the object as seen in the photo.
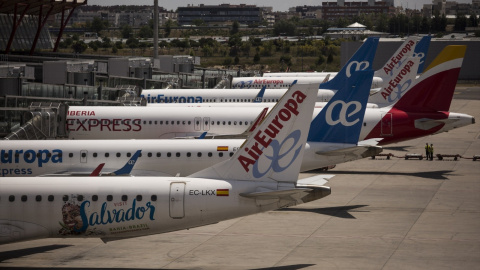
(222, 148)
(222, 192)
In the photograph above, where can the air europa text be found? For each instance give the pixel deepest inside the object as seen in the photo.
(265, 137)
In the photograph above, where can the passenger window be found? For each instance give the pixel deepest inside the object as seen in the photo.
(95, 154)
(84, 155)
(107, 154)
(189, 122)
(220, 154)
(218, 122)
(189, 154)
(124, 198)
(153, 198)
(149, 122)
(149, 154)
(178, 122)
(51, 198)
(119, 155)
(166, 122)
(213, 123)
(231, 154)
(161, 122)
(144, 122)
(109, 198)
(65, 198)
(178, 154)
(80, 198)
(155, 122)
(38, 198)
(234, 123)
(69, 155)
(209, 154)
(139, 198)
(199, 154)
(169, 154)
(159, 154)
(129, 154)
(11, 198)
(94, 198)
(229, 123)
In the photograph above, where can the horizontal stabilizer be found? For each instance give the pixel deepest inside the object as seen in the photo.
(275, 194)
(427, 123)
(355, 151)
(317, 180)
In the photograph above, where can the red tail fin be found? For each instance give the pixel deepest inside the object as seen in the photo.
(433, 90)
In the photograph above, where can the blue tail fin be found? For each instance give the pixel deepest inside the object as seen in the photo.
(259, 97)
(127, 169)
(421, 50)
(342, 124)
(361, 60)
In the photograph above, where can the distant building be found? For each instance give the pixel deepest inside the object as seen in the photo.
(220, 15)
(354, 31)
(343, 9)
(452, 8)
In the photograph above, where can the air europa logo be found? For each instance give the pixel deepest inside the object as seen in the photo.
(265, 81)
(30, 156)
(342, 116)
(396, 81)
(358, 66)
(263, 138)
(398, 58)
(172, 99)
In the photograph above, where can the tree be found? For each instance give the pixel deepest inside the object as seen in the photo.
(284, 27)
(126, 31)
(97, 25)
(235, 27)
(256, 58)
(473, 20)
(145, 32)
(460, 22)
(330, 58)
(79, 46)
(168, 27)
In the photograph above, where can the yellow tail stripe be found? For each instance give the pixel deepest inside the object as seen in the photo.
(450, 52)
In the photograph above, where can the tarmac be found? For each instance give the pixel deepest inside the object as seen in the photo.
(382, 214)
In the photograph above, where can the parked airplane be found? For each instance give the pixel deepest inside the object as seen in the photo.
(118, 208)
(404, 51)
(362, 59)
(402, 79)
(184, 157)
(393, 124)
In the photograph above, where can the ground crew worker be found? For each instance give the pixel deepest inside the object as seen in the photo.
(427, 151)
(431, 151)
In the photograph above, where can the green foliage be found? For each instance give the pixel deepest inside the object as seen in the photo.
(227, 61)
(114, 50)
(198, 22)
(236, 60)
(126, 31)
(79, 46)
(145, 32)
(97, 25)
(132, 43)
(287, 59)
(234, 29)
(256, 58)
(460, 22)
(329, 59)
(477, 33)
(284, 28)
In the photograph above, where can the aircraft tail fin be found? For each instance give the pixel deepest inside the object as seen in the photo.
(97, 170)
(259, 97)
(433, 90)
(127, 168)
(401, 54)
(400, 83)
(281, 135)
(341, 120)
(361, 60)
(421, 51)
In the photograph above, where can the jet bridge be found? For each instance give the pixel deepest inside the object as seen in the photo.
(42, 120)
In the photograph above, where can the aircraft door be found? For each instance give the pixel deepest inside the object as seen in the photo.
(387, 124)
(206, 123)
(83, 156)
(177, 196)
(197, 123)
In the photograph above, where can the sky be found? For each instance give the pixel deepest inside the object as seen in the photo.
(278, 5)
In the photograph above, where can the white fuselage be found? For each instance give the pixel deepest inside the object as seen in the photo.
(169, 122)
(284, 82)
(159, 157)
(116, 208)
(220, 95)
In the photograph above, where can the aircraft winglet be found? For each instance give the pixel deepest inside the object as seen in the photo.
(259, 97)
(127, 168)
(97, 170)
